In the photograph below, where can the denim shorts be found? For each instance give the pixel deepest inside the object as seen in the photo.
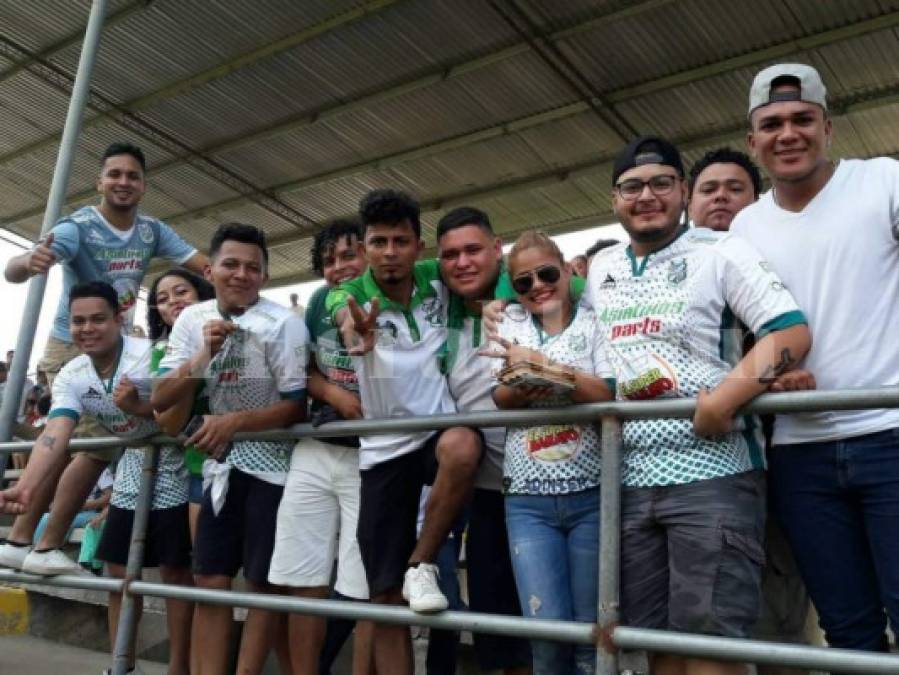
(692, 555)
(195, 489)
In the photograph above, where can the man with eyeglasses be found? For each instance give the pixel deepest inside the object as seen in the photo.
(693, 503)
(831, 231)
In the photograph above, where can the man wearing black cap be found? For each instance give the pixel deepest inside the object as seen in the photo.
(832, 234)
(693, 503)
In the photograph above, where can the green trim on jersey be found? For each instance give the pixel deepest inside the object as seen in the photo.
(365, 289)
(63, 412)
(637, 270)
(782, 322)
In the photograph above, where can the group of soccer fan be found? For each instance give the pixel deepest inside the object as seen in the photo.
(801, 294)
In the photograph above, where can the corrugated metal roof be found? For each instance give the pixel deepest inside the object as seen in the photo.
(444, 98)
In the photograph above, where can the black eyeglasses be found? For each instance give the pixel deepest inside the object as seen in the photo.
(632, 188)
(548, 274)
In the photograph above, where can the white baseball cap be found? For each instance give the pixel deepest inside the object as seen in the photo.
(811, 88)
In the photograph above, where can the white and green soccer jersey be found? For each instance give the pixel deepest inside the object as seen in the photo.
(670, 321)
(171, 485)
(403, 375)
(78, 390)
(262, 362)
(554, 459)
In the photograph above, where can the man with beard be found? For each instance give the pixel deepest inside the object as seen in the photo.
(112, 243)
(693, 504)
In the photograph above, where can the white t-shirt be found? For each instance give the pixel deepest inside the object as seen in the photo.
(403, 376)
(839, 257)
(670, 320)
(78, 390)
(258, 365)
(555, 459)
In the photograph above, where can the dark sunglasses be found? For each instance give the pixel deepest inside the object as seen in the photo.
(548, 274)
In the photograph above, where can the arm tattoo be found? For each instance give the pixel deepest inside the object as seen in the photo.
(772, 371)
(48, 441)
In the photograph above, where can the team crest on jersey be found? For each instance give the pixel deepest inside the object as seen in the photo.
(94, 236)
(577, 342)
(145, 232)
(92, 393)
(433, 311)
(677, 271)
(387, 333)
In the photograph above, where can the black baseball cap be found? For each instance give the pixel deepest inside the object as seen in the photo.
(647, 150)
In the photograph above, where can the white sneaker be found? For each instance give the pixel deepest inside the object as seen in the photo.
(13, 556)
(420, 589)
(49, 563)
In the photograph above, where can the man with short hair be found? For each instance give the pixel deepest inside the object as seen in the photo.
(721, 184)
(109, 380)
(693, 500)
(393, 319)
(832, 234)
(113, 243)
(251, 354)
(471, 262)
(319, 512)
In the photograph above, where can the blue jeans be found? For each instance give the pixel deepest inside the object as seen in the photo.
(839, 504)
(554, 542)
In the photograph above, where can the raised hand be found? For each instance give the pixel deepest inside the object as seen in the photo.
(511, 352)
(215, 333)
(41, 258)
(358, 328)
(126, 397)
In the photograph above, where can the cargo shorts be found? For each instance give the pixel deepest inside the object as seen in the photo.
(692, 555)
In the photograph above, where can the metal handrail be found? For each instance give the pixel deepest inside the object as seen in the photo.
(607, 635)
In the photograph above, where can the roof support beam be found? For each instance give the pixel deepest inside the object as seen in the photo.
(75, 38)
(783, 49)
(217, 72)
(729, 134)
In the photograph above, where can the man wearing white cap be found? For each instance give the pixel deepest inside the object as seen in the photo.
(831, 233)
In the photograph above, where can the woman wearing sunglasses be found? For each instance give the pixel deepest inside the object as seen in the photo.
(551, 471)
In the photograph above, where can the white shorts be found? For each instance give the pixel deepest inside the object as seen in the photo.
(317, 519)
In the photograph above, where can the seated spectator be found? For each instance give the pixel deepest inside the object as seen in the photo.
(551, 473)
(94, 505)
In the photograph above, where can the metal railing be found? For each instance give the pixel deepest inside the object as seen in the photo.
(607, 635)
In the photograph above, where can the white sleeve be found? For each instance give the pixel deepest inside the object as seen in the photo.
(891, 167)
(602, 367)
(753, 291)
(183, 342)
(287, 352)
(66, 401)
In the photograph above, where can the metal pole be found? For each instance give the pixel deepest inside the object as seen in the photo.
(55, 202)
(825, 659)
(607, 616)
(126, 631)
(494, 624)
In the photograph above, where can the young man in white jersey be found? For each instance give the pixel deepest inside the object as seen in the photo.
(831, 232)
(693, 501)
(394, 321)
(113, 243)
(251, 353)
